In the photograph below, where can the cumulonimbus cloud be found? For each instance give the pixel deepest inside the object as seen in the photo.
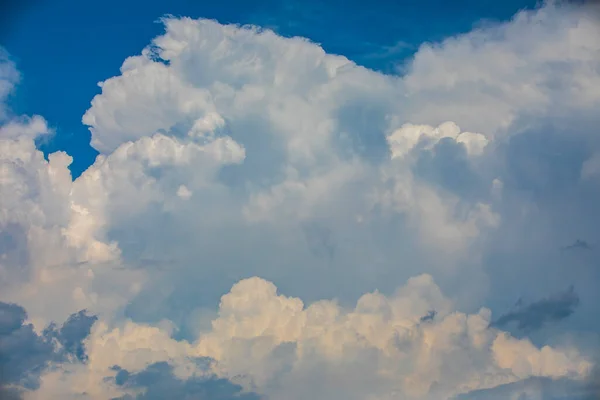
(235, 163)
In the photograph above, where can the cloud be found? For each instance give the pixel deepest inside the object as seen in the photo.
(230, 152)
(277, 347)
(578, 244)
(72, 333)
(491, 77)
(158, 382)
(25, 354)
(319, 240)
(535, 315)
(536, 388)
(377, 348)
(9, 77)
(430, 316)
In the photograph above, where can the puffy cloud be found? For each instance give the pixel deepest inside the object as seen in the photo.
(277, 347)
(382, 347)
(540, 63)
(228, 152)
(408, 136)
(53, 249)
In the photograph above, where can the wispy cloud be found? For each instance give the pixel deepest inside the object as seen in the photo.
(534, 316)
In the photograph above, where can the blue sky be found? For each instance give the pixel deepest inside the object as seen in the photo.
(392, 200)
(83, 43)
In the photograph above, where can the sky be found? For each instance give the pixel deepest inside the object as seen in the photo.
(300, 200)
(84, 43)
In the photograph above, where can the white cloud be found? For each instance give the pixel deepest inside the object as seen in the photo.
(9, 77)
(271, 338)
(331, 181)
(403, 140)
(184, 192)
(541, 62)
(274, 345)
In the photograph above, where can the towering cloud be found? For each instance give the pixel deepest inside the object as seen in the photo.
(395, 214)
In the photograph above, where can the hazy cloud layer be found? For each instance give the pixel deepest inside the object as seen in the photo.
(313, 228)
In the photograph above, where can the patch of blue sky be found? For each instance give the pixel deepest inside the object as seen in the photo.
(63, 48)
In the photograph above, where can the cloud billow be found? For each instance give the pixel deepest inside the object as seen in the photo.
(314, 228)
(25, 354)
